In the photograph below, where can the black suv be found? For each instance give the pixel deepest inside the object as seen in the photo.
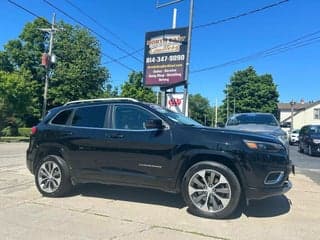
(126, 142)
(309, 139)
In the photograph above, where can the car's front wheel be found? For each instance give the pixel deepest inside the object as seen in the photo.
(300, 148)
(211, 190)
(310, 150)
(52, 176)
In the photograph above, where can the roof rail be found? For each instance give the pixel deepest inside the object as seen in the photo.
(100, 100)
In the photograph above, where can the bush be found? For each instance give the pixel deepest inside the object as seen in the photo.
(12, 131)
(6, 132)
(24, 132)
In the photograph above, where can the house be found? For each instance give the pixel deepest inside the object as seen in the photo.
(303, 113)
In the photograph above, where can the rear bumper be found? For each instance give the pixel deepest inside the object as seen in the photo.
(30, 156)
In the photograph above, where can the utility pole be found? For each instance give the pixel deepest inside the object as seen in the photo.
(51, 59)
(216, 120)
(227, 103)
(234, 105)
(292, 103)
(185, 92)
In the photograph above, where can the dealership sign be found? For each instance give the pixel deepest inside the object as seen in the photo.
(165, 57)
(175, 102)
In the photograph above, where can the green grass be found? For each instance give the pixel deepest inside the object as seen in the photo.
(14, 139)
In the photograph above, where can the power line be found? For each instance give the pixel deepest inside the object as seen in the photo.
(103, 27)
(91, 30)
(37, 16)
(125, 56)
(302, 41)
(242, 14)
(226, 19)
(27, 10)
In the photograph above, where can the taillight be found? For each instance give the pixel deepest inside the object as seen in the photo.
(33, 130)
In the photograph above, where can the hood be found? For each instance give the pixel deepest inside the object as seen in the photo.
(258, 128)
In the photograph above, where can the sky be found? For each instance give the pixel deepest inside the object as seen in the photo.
(295, 70)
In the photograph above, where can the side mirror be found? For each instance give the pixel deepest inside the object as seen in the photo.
(220, 124)
(154, 124)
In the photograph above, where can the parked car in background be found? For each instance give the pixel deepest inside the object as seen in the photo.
(127, 142)
(309, 139)
(294, 136)
(262, 123)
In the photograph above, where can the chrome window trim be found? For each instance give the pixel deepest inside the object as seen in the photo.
(167, 126)
(73, 109)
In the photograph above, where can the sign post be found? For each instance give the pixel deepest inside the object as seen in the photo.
(165, 57)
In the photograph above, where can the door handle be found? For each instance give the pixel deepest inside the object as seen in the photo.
(117, 136)
(67, 133)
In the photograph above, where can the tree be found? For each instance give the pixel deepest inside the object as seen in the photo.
(5, 64)
(134, 88)
(77, 74)
(15, 98)
(110, 92)
(200, 110)
(249, 92)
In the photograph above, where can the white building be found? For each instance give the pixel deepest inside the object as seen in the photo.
(303, 113)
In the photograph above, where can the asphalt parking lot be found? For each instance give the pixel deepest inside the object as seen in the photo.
(111, 212)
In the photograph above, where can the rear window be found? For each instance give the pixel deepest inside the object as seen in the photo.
(253, 118)
(90, 116)
(62, 118)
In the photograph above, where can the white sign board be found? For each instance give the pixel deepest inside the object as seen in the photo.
(175, 102)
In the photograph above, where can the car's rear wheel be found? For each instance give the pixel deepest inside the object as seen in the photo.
(211, 190)
(52, 176)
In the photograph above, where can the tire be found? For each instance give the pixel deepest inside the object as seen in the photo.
(290, 143)
(310, 150)
(52, 177)
(300, 149)
(216, 190)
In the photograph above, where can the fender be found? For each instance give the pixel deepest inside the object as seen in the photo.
(46, 149)
(188, 158)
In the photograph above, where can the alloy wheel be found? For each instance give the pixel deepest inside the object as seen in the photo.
(209, 190)
(310, 150)
(49, 176)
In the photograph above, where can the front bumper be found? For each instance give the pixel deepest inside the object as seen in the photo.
(315, 148)
(294, 139)
(261, 193)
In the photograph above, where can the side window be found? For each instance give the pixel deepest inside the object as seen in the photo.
(62, 118)
(90, 116)
(316, 113)
(130, 117)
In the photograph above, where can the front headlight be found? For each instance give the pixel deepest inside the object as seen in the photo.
(316, 141)
(283, 138)
(264, 146)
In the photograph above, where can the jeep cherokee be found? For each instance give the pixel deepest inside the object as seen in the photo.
(126, 142)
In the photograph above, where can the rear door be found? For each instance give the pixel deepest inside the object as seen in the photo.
(87, 140)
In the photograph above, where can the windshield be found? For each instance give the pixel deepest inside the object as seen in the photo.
(253, 118)
(176, 117)
(315, 129)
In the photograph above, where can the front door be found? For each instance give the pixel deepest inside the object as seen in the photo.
(136, 155)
